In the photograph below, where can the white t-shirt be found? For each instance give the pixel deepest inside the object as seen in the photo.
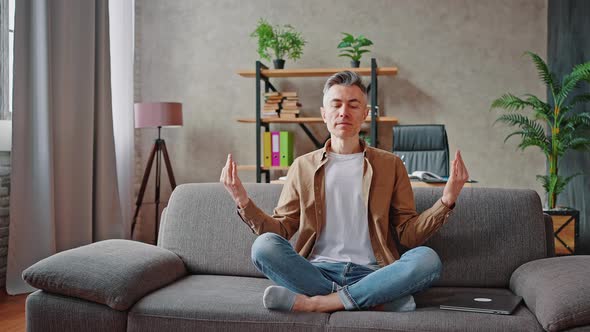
(345, 235)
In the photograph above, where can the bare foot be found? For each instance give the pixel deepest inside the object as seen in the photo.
(303, 303)
(319, 303)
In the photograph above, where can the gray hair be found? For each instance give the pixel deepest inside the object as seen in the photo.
(346, 78)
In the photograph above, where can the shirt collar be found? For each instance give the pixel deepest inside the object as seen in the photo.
(328, 148)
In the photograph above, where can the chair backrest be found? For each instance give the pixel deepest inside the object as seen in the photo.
(489, 234)
(422, 148)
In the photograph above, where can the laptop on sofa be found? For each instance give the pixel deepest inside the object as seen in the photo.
(484, 303)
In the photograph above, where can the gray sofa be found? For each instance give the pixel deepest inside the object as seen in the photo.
(200, 277)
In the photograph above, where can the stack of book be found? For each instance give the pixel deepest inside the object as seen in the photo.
(277, 148)
(290, 105)
(272, 105)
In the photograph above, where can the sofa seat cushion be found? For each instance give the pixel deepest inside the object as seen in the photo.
(216, 303)
(50, 312)
(428, 316)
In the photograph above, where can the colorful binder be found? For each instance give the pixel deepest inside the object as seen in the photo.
(286, 143)
(267, 148)
(275, 149)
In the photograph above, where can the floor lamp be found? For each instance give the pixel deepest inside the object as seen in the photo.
(156, 115)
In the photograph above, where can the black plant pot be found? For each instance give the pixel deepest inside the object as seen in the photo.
(279, 63)
(355, 64)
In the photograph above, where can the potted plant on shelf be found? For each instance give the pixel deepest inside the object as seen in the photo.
(283, 41)
(352, 47)
(552, 128)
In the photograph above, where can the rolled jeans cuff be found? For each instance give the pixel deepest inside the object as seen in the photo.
(346, 299)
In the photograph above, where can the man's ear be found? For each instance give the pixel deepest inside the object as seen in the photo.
(322, 112)
(367, 110)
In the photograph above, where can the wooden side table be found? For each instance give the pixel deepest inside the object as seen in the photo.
(566, 224)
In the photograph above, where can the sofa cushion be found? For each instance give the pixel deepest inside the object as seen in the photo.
(428, 316)
(485, 239)
(112, 272)
(488, 235)
(556, 290)
(203, 228)
(216, 303)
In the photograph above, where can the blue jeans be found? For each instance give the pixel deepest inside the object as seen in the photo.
(359, 287)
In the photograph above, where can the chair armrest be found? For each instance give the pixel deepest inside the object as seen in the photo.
(116, 273)
(555, 290)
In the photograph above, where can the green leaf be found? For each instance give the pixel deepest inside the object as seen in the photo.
(562, 182)
(570, 82)
(513, 134)
(353, 46)
(580, 120)
(539, 106)
(544, 179)
(281, 40)
(583, 98)
(510, 102)
(582, 70)
(343, 44)
(365, 42)
(580, 143)
(513, 119)
(546, 76)
(348, 38)
(532, 133)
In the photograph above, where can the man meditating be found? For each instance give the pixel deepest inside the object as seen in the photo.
(349, 203)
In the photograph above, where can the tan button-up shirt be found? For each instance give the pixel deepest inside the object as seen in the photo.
(387, 193)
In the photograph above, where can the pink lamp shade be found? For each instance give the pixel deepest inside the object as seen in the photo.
(159, 114)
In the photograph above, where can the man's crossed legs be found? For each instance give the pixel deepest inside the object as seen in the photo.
(327, 287)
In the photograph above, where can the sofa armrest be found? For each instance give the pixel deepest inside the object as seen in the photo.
(116, 273)
(555, 290)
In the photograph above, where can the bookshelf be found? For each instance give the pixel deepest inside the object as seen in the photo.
(262, 74)
(385, 119)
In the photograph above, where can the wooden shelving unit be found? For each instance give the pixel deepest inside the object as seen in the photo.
(253, 168)
(263, 74)
(385, 119)
(316, 72)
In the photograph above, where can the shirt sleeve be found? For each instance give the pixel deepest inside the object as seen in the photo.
(414, 229)
(285, 218)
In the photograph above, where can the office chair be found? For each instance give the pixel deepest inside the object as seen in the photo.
(422, 148)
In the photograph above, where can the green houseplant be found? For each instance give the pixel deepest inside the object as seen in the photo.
(352, 47)
(552, 128)
(281, 40)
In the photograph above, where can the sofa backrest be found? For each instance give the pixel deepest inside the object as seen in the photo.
(202, 226)
(489, 234)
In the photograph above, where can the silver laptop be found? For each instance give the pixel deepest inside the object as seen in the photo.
(484, 303)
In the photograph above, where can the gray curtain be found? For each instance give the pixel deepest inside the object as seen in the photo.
(568, 45)
(64, 183)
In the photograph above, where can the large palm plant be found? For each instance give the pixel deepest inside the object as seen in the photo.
(552, 128)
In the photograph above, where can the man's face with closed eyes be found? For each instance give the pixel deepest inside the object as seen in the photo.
(345, 109)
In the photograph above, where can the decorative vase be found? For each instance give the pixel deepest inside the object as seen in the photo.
(355, 63)
(565, 230)
(279, 63)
